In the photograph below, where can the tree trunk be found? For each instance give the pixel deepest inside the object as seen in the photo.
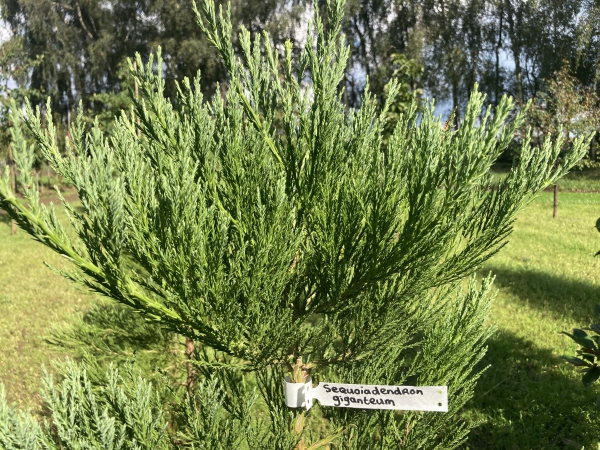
(299, 375)
(13, 184)
(515, 50)
(373, 55)
(137, 94)
(363, 46)
(452, 72)
(555, 210)
(455, 100)
(498, 47)
(191, 372)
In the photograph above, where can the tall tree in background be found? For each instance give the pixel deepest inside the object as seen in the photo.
(565, 107)
(540, 37)
(509, 46)
(565, 110)
(550, 39)
(588, 38)
(376, 30)
(81, 44)
(15, 67)
(453, 41)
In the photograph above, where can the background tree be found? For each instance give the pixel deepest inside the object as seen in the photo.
(453, 43)
(507, 46)
(407, 74)
(377, 30)
(15, 69)
(566, 107)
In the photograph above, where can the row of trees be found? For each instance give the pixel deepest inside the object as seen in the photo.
(75, 50)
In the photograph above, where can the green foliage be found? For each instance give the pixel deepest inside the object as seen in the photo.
(407, 72)
(528, 397)
(588, 354)
(275, 229)
(119, 413)
(566, 107)
(123, 414)
(18, 430)
(112, 333)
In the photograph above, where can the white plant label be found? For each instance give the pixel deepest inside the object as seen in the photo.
(366, 396)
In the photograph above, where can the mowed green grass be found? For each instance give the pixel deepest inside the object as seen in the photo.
(548, 281)
(32, 299)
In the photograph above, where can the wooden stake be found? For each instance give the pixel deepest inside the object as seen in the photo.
(299, 375)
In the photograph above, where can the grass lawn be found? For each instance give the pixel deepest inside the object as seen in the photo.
(548, 282)
(32, 298)
(547, 279)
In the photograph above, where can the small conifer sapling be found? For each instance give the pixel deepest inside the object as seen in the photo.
(277, 230)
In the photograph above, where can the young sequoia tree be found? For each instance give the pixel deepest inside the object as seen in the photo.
(275, 231)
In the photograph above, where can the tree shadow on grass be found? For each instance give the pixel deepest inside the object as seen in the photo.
(4, 218)
(574, 299)
(530, 399)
